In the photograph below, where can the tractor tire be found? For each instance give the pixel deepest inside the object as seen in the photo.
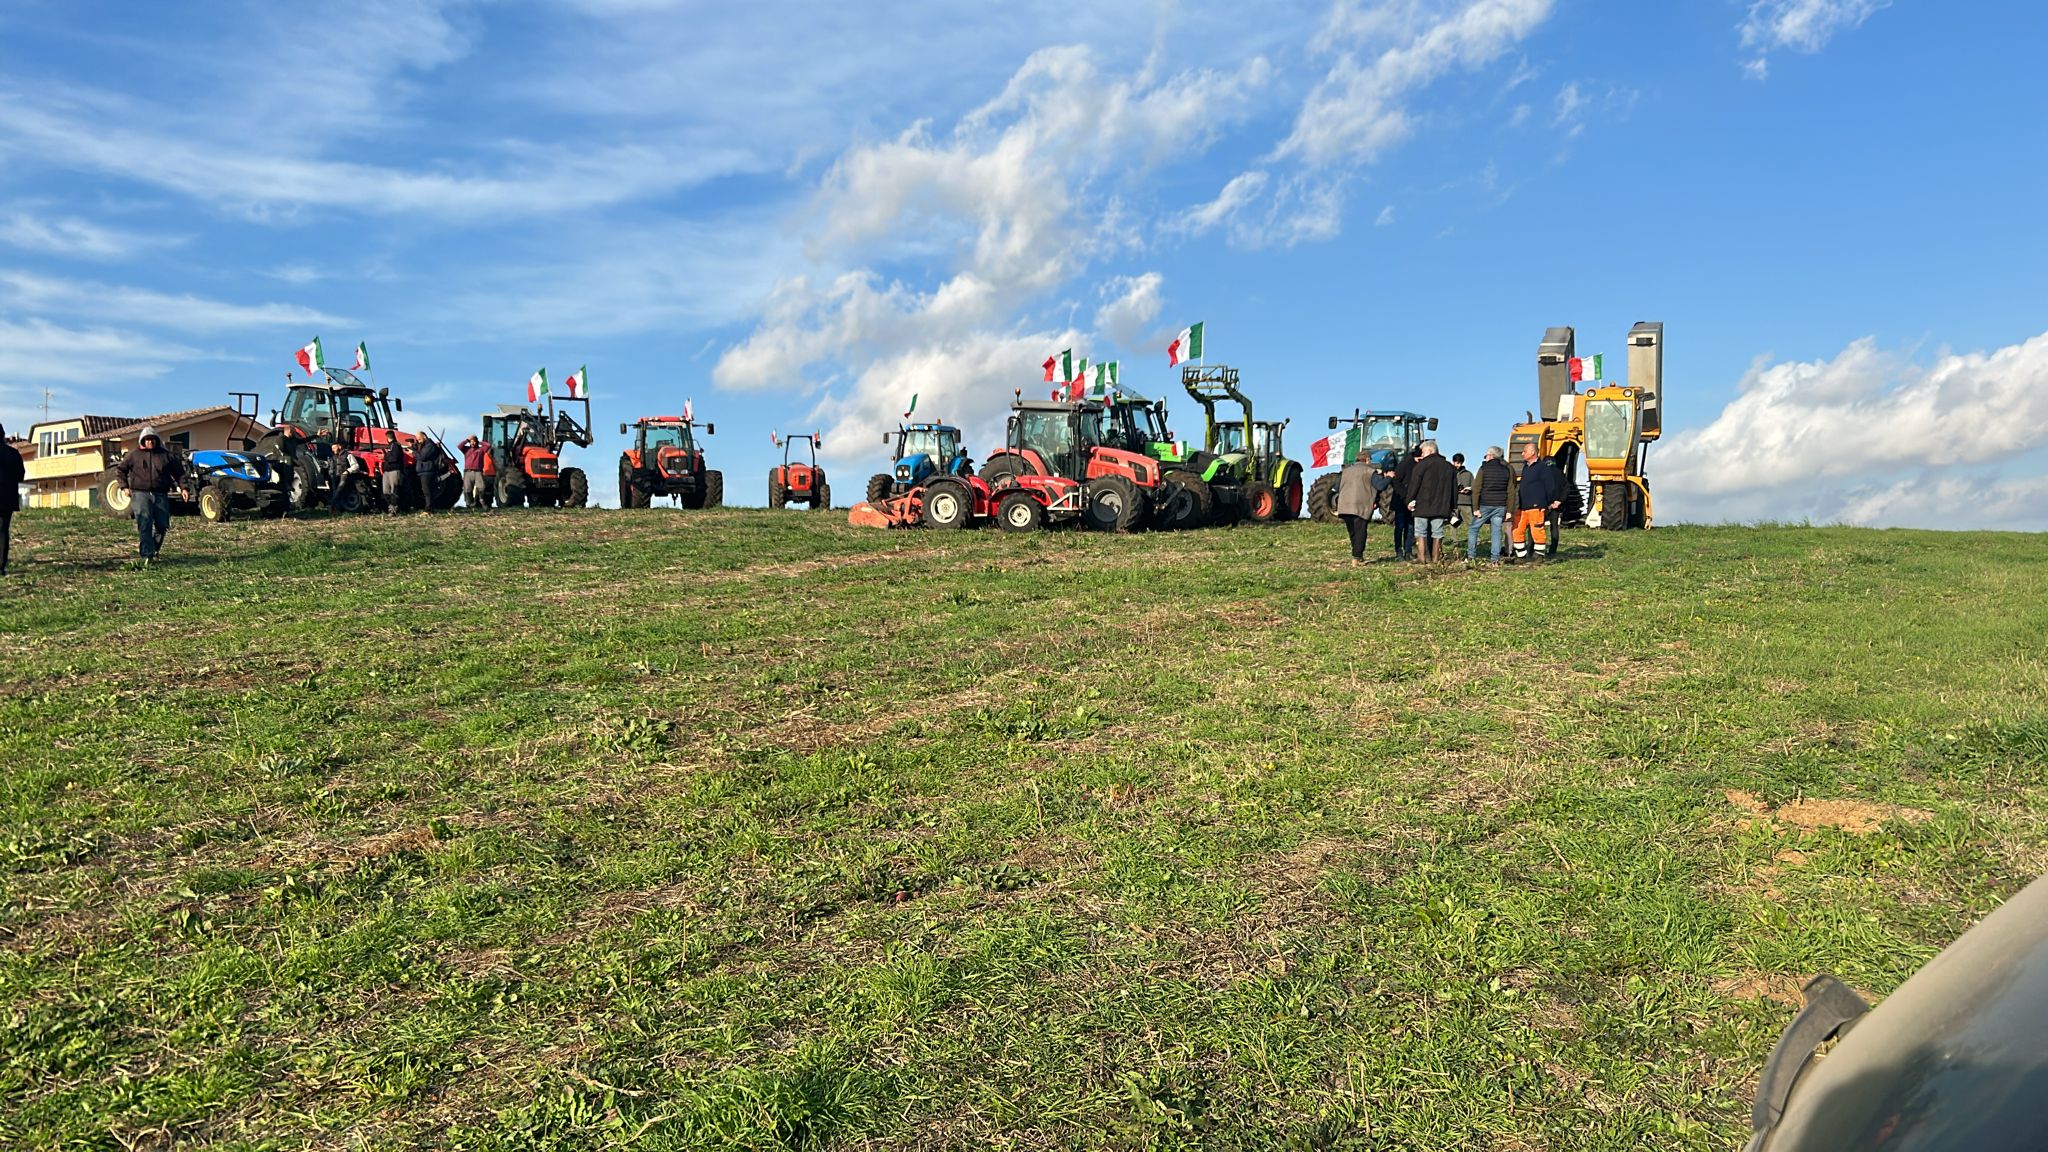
(629, 496)
(879, 487)
(1113, 504)
(1322, 498)
(778, 496)
(1181, 502)
(1019, 511)
(948, 505)
(714, 489)
(821, 493)
(447, 491)
(577, 487)
(1261, 502)
(1001, 469)
(114, 499)
(305, 485)
(1290, 497)
(213, 504)
(354, 497)
(1612, 501)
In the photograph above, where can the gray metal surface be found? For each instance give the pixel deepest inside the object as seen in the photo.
(1646, 372)
(1553, 369)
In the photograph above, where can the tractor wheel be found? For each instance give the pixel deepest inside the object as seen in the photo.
(1261, 502)
(1020, 511)
(1290, 498)
(447, 491)
(1612, 500)
(1322, 498)
(213, 504)
(1181, 502)
(629, 496)
(354, 496)
(1113, 504)
(879, 487)
(714, 489)
(947, 505)
(1001, 469)
(577, 486)
(778, 496)
(821, 493)
(305, 486)
(114, 499)
(509, 495)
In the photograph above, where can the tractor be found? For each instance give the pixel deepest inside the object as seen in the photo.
(1379, 433)
(797, 481)
(1267, 485)
(1135, 424)
(219, 484)
(665, 460)
(333, 432)
(922, 451)
(1057, 449)
(1609, 426)
(523, 464)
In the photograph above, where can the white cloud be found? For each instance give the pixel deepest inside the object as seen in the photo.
(1359, 109)
(1519, 116)
(1242, 190)
(1799, 25)
(72, 236)
(28, 292)
(1571, 109)
(1858, 437)
(35, 352)
(1385, 217)
(1131, 303)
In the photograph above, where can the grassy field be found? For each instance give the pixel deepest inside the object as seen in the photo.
(751, 830)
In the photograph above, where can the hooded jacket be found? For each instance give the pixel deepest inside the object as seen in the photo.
(156, 469)
(1434, 488)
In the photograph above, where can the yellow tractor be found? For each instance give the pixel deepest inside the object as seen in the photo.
(1608, 426)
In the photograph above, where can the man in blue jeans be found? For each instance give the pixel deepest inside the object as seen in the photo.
(1490, 502)
(149, 473)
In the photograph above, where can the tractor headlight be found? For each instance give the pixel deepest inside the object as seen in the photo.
(902, 472)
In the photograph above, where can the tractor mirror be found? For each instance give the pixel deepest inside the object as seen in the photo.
(1432, 423)
(622, 429)
(398, 404)
(1333, 423)
(711, 429)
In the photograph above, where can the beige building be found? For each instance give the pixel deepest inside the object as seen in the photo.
(64, 458)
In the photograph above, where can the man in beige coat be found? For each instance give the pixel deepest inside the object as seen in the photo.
(1355, 498)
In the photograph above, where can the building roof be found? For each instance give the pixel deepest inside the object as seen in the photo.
(169, 420)
(93, 426)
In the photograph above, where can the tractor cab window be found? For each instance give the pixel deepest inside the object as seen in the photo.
(309, 409)
(1610, 429)
(357, 410)
(1229, 438)
(1122, 429)
(1152, 424)
(663, 436)
(1050, 434)
(1383, 435)
(1266, 442)
(939, 444)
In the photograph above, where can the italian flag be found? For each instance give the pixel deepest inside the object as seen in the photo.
(687, 411)
(912, 408)
(1059, 369)
(1102, 378)
(1186, 346)
(536, 385)
(1586, 368)
(310, 358)
(1336, 448)
(575, 384)
(362, 363)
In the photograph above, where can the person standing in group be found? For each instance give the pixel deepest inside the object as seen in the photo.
(1490, 503)
(474, 452)
(1434, 487)
(1404, 499)
(1540, 492)
(1357, 492)
(429, 461)
(149, 473)
(1464, 513)
(12, 472)
(394, 477)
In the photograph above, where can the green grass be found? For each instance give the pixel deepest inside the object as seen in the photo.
(752, 830)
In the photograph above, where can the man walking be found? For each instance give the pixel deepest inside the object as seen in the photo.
(430, 462)
(1540, 492)
(1404, 501)
(394, 477)
(473, 454)
(1490, 503)
(149, 473)
(1356, 493)
(12, 471)
(1434, 484)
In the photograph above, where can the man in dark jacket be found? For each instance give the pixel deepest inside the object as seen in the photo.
(149, 473)
(1464, 512)
(1540, 492)
(1433, 487)
(1404, 495)
(1355, 497)
(1490, 503)
(395, 475)
(429, 464)
(474, 452)
(12, 472)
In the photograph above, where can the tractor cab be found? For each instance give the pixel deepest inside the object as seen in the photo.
(1055, 437)
(341, 409)
(520, 444)
(664, 445)
(1135, 424)
(921, 451)
(1382, 432)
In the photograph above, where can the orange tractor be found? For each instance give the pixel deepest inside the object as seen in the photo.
(664, 459)
(524, 461)
(798, 481)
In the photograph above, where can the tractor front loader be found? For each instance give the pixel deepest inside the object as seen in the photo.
(524, 461)
(1268, 485)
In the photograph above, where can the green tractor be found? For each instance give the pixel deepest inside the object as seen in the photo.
(1184, 498)
(1379, 434)
(1251, 471)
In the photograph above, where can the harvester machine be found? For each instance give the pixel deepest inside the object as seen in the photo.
(1607, 426)
(1378, 436)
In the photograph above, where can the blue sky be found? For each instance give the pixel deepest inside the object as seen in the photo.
(798, 214)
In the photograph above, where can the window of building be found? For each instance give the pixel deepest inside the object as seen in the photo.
(182, 441)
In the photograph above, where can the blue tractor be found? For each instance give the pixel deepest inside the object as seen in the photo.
(922, 451)
(1381, 435)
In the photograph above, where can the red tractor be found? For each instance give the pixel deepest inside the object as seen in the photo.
(524, 461)
(797, 482)
(333, 432)
(1061, 444)
(665, 460)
